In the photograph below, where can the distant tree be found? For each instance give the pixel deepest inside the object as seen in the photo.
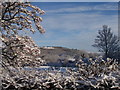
(107, 42)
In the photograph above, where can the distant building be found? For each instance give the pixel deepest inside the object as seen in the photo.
(47, 47)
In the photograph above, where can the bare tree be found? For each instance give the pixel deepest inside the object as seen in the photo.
(107, 42)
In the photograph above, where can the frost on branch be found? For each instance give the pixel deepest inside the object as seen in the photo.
(97, 75)
(20, 51)
(17, 16)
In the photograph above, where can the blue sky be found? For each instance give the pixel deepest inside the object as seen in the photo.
(75, 24)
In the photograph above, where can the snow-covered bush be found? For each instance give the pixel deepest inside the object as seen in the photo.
(97, 75)
(20, 51)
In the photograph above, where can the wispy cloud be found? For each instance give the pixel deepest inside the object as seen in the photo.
(103, 7)
(76, 22)
(76, 30)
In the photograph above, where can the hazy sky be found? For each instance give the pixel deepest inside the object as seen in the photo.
(75, 24)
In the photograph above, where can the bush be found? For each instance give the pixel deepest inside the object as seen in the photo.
(97, 75)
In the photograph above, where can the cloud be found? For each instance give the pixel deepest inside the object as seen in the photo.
(75, 30)
(82, 8)
(76, 22)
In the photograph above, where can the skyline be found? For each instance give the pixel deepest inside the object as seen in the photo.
(75, 24)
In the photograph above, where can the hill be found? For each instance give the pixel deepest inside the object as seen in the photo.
(61, 56)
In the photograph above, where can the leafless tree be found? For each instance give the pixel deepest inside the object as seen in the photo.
(107, 42)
